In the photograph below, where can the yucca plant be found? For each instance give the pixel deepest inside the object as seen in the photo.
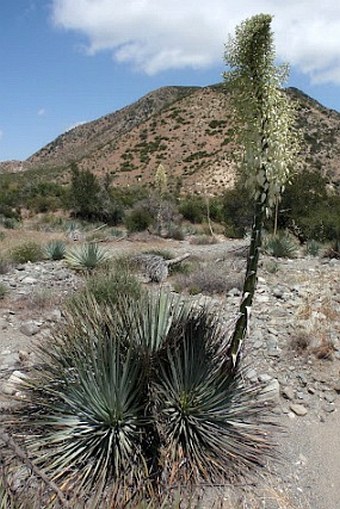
(55, 250)
(281, 245)
(313, 247)
(87, 256)
(128, 397)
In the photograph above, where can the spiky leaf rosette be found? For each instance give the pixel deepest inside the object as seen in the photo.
(127, 395)
(87, 257)
(212, 426)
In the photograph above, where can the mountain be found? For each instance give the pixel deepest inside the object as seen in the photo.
(187, 129)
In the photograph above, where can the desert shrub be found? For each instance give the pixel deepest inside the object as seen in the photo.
(84, 193)
(116, 233)
(11, 223)
(203, 240)
(271, 266)
(139, 219)
(182, 268)
(55, 250)
(5, 264)
(41, 298)
(301, 341)
(2, 236)
(138, 392)
(281, 245)
(332, 250)
(114, 284)
(238, 211)
(175, 232)
(27, 252)
(193, 209)
(167, 254)
(87, 257)
(208, 278)
(309, 208)
(3, 290)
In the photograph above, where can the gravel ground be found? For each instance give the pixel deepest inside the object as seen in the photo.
(299, 295)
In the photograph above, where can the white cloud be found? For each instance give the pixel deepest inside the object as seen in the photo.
(1, 134)
(156, 35)
(41, 112)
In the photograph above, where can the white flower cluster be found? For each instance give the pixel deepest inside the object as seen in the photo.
(263, 110)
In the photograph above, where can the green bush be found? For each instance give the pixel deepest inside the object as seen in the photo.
(193, 209)
(27, 252)
(238, 211)
(114, 284)
(138, 220)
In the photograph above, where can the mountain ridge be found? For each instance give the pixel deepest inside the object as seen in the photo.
(187, 129)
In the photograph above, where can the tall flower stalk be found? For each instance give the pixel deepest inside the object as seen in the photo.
(265, 118)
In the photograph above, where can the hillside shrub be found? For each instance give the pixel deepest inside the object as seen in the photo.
(84, 193)
(237, 211)
(193, 209)
(309, 208)
(138, 219)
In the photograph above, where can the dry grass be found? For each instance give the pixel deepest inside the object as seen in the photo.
(208, 278)
(15, 238)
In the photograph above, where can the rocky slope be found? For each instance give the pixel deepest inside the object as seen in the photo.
(187, 129)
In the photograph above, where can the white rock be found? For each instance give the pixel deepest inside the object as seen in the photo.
(13, 383)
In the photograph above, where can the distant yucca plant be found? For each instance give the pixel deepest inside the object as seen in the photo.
(87, 257)
(313, 248)
(129, 397)
(281, 245)
(55, 250)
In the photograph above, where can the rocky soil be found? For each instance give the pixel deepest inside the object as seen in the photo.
(293, 346)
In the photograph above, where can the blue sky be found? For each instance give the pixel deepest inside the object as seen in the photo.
(64, 62)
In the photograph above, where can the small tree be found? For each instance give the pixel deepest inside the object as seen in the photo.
(265, 118)
(84, 192)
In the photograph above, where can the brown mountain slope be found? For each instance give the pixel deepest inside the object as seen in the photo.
(187, 129)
